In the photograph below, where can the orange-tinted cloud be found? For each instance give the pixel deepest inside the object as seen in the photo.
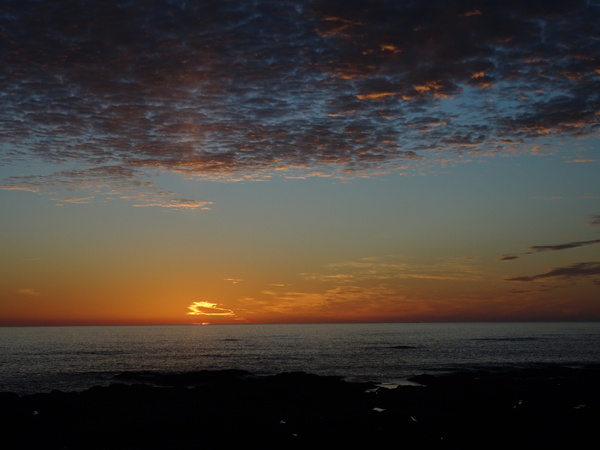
(208, 309)
(28, 291)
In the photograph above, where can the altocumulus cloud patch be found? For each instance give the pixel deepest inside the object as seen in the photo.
(123, 91)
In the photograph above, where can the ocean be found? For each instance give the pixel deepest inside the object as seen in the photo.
(42, 359)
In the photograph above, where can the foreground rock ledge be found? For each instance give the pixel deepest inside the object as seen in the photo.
(229, 409)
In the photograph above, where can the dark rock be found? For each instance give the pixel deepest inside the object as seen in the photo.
(183, 378)
(299, 410)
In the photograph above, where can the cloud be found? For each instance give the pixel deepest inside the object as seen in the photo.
(77, 200)
(28, 291)
(208, 309)
(507, 257)
(121, 91)
(595, 219)
(339, 299)
(176, 203)
(9, 187)
(558, 247)
(393, 267)
(574, 271)
(107, 181)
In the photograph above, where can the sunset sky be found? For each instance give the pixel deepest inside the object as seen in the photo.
(255, 161)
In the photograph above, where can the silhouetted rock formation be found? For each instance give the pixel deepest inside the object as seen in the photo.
(231, 409)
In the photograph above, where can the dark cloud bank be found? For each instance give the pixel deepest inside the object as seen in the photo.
(217, 88)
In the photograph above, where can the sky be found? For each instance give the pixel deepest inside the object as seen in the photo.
(257, 161)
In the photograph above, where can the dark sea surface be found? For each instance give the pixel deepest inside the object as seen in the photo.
(41, 359)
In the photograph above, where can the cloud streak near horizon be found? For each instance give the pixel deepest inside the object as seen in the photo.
(551, 248)
(113, 94)
(571, 272)
(579, 270)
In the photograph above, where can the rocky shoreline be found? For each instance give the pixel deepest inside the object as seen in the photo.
(533, 408)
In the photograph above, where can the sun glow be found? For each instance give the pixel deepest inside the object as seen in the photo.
(208, 309)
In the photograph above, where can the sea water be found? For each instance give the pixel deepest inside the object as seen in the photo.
(40, 359)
